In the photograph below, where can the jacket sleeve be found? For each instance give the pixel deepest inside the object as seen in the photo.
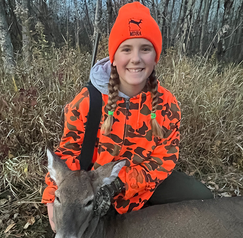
(71, 142)
(151, 172)
(74, 126)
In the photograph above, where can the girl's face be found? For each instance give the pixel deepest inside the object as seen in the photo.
(134, 61)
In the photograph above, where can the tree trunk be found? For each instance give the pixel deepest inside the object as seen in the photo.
(171, 26)
(216, 27)
(5, 42)
(239, 37)
(97, 19)
(185, 24)
(24, 16)
(109, 15)
(90, 30)
(165, 23)
(154, 12)
(115, 8)
(16, 30)
(180, 20)
(67, 21)
(77, 24)
(205, 19)
(234, 25)
(225, 23)
(197, 28)
(190, 24)
(217, 15)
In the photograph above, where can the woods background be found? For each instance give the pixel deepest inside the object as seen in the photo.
(45, 59)
(202, 27)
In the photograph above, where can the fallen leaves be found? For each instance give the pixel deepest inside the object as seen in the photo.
(3, 201)
(30, 222)
(9, 227)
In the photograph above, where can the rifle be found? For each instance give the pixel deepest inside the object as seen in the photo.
(97, 37)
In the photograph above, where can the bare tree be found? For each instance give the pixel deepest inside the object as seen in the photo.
(178, 30)
(185, 25)
(47, 15)
(26, 31)
(165, 23)
(239, 36)
(207, 4)
(217, 15)
(22, 11)
(5, 42)
(90, 27)
(225, 22)
(109, 15)
(97, 18)
(155, 10)
(190, 23)
(77, 24)
(115, 8)
(196, 26)
(170, 22)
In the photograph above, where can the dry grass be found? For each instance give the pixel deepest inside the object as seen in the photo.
(30, 119)
(211, 97)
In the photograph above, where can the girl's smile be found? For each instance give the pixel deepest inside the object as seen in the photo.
(135, 70)
(134, 61)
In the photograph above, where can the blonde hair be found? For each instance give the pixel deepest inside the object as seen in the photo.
(113, 88)
(157, 130)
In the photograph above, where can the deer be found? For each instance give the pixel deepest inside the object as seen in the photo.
(74, 216)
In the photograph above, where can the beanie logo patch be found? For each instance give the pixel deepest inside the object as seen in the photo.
(134, 27)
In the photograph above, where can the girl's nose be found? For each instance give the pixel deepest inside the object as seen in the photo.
(135, 57)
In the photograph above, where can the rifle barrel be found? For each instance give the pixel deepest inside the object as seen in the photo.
(97, 37)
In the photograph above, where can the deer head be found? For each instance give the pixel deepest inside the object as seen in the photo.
(74, 202)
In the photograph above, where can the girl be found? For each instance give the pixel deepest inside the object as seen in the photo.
(140, 120)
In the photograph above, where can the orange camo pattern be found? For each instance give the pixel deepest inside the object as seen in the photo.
(149, 159)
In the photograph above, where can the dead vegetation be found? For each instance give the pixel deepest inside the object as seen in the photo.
(31, 104)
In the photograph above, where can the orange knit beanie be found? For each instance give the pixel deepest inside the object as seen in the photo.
(134, 21)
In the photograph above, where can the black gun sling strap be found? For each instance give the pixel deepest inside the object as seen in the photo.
(92, 126)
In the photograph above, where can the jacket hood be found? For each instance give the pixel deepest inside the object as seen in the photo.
(100, 75)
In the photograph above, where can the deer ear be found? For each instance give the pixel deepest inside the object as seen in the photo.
(56, 167)
(106, 174)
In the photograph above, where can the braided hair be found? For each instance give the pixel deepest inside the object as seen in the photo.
(157, 130)
(113, 87)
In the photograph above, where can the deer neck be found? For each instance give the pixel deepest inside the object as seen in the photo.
(101, 227)
(96, 228)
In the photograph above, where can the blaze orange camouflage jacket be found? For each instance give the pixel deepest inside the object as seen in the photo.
(149, 159)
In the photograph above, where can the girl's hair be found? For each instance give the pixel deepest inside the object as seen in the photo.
(113, 88)
(157, 130)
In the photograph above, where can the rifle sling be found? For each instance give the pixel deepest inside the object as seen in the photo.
(92, 126)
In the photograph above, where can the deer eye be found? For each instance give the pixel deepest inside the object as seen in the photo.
(57, 198)
(89, 203)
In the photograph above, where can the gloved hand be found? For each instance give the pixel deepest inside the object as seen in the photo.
(105, 196)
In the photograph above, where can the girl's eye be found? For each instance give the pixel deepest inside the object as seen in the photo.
(126, 50)
(146, 49)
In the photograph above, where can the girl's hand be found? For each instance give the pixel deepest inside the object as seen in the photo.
(50, 215)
